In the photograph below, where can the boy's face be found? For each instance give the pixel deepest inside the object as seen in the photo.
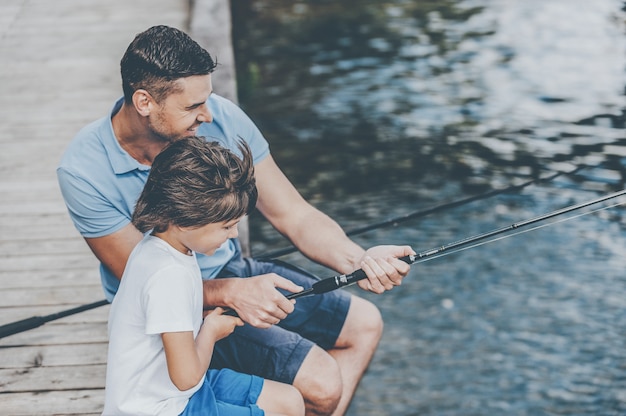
(210, 237)
(180, 114)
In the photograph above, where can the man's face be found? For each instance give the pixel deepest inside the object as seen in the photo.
(180, 114)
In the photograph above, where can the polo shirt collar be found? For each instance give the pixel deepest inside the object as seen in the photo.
(120, 160)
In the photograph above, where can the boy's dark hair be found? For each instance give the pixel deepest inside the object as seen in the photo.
(159, 56)
(193, 183)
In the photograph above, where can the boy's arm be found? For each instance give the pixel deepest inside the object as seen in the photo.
(188, 359)
(185, 364)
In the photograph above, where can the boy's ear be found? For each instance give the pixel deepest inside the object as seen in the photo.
(142, 100)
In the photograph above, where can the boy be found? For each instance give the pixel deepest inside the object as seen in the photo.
(160, 347)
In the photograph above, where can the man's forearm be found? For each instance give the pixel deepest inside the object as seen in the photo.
(218, 292)
(322, 240)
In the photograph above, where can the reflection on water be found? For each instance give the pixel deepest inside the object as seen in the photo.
(375, 109)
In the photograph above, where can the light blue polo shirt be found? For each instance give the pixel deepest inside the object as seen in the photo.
(101, 183)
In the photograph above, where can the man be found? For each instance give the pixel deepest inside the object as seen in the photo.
(323, 344)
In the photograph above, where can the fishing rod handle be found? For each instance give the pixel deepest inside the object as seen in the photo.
(335, 282)
(21, 326)
(332, 283)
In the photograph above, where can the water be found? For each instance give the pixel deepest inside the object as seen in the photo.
(376, 109)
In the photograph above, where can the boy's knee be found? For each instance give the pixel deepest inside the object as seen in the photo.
(294, 402)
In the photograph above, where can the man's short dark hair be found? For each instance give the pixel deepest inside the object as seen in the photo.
(159, 56)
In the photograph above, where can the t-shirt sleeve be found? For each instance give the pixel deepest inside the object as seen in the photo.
(168, 301)
(92, 214)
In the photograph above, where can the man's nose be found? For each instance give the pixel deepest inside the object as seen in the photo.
(205, 115)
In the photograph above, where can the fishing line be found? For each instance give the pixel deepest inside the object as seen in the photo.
(518, 233)
(336, 282)
(435, 209)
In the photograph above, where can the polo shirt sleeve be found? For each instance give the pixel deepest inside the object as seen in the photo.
(92, 214)
(100, 183)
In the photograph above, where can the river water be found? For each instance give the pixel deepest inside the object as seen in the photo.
(377, 109)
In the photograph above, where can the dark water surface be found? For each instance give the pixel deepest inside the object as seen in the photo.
(381, 108)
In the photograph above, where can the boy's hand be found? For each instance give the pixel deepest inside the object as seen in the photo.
(219, 324)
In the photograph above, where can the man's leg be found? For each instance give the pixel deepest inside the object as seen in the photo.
(328, 379)
(328, 344)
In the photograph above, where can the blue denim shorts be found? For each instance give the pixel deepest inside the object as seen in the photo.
(276, 353)
(226, 393)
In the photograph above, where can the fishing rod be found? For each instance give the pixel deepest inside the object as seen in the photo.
(36, 321)
(327, 284)
(336, 282)
(418, 214)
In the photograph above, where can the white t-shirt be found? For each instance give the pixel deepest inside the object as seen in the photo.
(161, 291)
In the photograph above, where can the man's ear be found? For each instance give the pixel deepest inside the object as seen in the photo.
(142, 100)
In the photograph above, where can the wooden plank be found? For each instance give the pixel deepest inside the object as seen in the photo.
(60, 277)
(17, 224)
(45, 244)
(26, 189)
(40, 207)
(42, 232)
(65, 295)
(61, 261)
(42, 379)
(18, 313)
(53, 355)
(58, 334)
(27, 278)
(84, 402)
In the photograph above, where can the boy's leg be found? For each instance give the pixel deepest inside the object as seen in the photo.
(280, 398)
(226, 393)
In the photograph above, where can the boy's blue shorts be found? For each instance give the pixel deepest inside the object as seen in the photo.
(277, 353)
(226, 393)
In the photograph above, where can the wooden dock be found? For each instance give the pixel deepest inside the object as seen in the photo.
(59, 70)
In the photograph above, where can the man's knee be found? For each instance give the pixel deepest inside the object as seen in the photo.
(364, 323)
(319, 381)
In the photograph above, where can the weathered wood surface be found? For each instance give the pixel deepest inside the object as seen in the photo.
(59, 70)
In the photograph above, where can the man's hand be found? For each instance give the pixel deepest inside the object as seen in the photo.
(257, 301)
(383, 269)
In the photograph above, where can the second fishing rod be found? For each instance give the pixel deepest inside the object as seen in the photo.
(336, 282)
